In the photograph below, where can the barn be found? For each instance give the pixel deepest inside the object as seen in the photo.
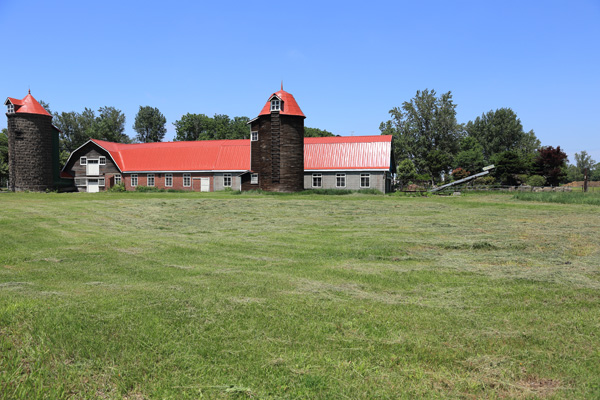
(277, 157)
(355, 162)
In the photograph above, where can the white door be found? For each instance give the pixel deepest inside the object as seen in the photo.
(205, 184)
(93, 167)
(93, 186)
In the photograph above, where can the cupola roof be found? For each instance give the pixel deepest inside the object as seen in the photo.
(290, 107)
(28, 105)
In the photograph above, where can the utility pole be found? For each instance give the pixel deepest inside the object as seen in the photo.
(586, 174)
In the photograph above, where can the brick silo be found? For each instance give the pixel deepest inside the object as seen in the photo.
(32, 145)
(277, 144)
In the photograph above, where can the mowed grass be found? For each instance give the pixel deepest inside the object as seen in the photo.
(186, 296)
(591, 198)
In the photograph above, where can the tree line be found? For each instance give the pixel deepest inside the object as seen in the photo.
(108, 123)
(430, 145)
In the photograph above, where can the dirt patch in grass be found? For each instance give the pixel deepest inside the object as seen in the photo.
(539, 387)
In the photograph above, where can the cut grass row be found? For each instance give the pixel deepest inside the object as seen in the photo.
(167, 295)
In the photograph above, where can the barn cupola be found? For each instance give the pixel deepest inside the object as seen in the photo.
(277, 144)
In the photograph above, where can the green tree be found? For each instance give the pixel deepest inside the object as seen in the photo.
(77, 128)
(202, 127)
(316, 132)
(72, 133)
(406, 172)
(150, 125)
(3, 157)
(110, 125)
(573, 173)
(499, 131)
(584, 161)
(595, 173)
(508, 165)
(239, 128)
(425, 131)
(46, 106)
(470, 156)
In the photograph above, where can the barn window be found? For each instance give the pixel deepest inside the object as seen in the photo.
(254, 136)
(340, 180)
(226, 180)
(11, 108)
(365, 180)
(317, 180)
(134, 179)
(169, 180)
(80, 181)
(275, 105)
(117, 179)
(101, 181)
(102, 160)
(187, 180)
(150, 179)
(83, 161)
(254, 179)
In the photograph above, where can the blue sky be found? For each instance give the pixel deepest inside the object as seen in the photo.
(347, 63)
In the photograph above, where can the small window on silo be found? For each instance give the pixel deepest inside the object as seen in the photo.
(275, 105)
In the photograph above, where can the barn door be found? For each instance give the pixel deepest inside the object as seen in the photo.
(205, 184)
(93, 167)
(93, 186)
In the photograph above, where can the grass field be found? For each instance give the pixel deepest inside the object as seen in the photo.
(186, 296)
(591, 198)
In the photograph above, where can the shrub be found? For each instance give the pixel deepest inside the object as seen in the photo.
(327, 191)
(148, 189)
(536, 180)
(484, 181)
(369, 191)
(117, 188)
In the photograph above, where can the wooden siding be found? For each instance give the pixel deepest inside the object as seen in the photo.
(278, 154)
(92, 150)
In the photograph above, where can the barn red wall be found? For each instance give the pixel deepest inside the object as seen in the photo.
(159, 181)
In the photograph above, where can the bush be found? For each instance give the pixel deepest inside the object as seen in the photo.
(536, 180)
(328, 191)
(369, 191)
(117, 188)
(148, 189)
(484, 181)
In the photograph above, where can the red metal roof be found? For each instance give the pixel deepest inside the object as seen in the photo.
(202, 155)
(28, 105)
(290, 107)
(348, 152)
(326, 153)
